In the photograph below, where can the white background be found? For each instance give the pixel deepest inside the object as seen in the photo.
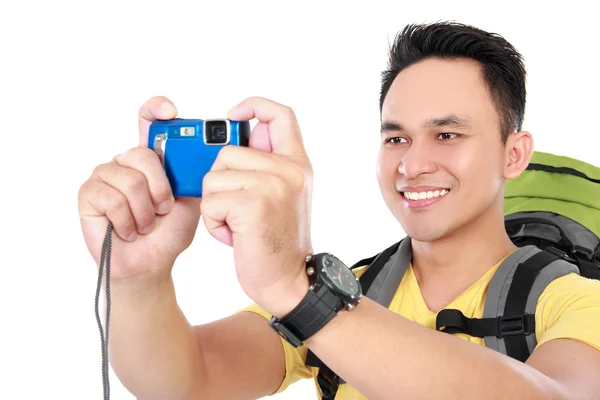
(73, 75)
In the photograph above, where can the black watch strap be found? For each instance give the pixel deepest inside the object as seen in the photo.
(314, 311)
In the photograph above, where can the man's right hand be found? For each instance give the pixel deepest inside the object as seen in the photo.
(155, 351)
(132, 190)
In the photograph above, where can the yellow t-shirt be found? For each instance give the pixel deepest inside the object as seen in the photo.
(569, 307)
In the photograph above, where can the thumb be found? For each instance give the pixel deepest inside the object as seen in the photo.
(259, 139)
(156, 108)
(284, 132)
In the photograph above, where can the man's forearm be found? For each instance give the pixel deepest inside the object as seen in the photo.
(386, 356)
(153, 349)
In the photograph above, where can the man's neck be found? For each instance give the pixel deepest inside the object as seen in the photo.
(450, 265)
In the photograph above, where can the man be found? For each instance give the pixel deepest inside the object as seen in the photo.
(452, 105)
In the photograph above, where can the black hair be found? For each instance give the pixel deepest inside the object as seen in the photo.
(502, 66)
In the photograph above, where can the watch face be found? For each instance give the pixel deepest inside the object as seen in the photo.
(340, 276)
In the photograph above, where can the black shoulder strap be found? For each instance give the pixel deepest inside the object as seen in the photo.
(513, 319)
(328, 380)
(588, 269)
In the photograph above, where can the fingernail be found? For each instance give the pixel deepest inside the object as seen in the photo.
(146, 230)
(164, 207)
(166, 109)
(233, 109)
(132, 237)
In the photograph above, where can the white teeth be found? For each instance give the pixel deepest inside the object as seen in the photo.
(425, 195)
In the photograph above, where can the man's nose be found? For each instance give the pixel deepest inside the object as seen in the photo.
(417, 160)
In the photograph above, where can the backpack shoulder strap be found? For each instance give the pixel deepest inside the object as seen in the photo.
(508, 323)
(587, 268)
(381, 279)
(379, 282)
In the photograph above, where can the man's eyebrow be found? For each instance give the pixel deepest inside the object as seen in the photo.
(450, 120)
(391, 126)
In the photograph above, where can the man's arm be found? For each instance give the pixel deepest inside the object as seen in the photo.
(158, 355)
(406, 360)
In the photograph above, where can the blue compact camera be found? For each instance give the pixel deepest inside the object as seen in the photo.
(188, 148)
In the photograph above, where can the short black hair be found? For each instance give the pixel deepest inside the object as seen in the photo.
(503, 69)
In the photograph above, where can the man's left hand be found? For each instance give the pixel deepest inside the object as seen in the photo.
(257, 199)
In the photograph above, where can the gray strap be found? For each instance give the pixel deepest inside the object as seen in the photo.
(500, 284)
(386, 283)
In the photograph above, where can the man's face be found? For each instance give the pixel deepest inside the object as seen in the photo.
(441, 159)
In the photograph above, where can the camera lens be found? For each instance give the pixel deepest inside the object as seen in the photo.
(216, 132)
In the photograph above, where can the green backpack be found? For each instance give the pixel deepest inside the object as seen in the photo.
(552, 212)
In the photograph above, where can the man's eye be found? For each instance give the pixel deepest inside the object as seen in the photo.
(395, 140)
(447, 136)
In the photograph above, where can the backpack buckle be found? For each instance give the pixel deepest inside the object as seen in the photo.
(328, 382)
(511, 326)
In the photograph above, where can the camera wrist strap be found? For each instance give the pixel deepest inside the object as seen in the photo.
(104, 259)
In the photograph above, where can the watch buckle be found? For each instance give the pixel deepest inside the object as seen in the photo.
(285, 333)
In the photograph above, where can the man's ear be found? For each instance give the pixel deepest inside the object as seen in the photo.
(519, 148)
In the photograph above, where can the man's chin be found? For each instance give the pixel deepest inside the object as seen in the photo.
(425, 229)
(425, 235)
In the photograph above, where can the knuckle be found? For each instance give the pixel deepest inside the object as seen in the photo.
(224, 157)
(135, 182)
(131, 156)
(278, 187)
(208, 206)
(145, 219)
(299, 176)
(288, 112)
(203, 205)
(101, 168)
(226, 152)
(208, 181)
(126, 225)
(116, 202)
(206, 185)
(84, 192)
(141, 154)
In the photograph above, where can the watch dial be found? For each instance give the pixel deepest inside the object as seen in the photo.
(339, 275)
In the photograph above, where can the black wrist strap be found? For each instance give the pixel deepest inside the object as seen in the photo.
(318, 307)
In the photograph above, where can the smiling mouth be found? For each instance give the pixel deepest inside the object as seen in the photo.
(424, 195)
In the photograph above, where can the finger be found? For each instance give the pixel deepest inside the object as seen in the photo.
(284, 132)
(156, 108)
(245, 158)
(147, 162)
(215, 210)
(233, 180)
(134, 186)
(99, 199)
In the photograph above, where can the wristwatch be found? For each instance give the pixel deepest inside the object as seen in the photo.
(333, 288)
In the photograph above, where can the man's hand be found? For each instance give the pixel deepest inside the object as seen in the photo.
(257, 199)
(132, 190)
